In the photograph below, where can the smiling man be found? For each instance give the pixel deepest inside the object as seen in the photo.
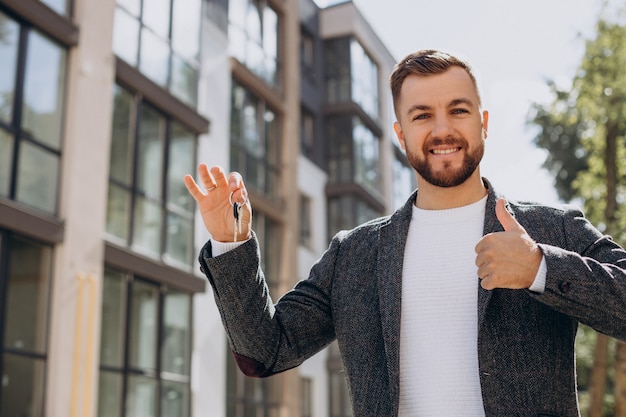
(458, 304)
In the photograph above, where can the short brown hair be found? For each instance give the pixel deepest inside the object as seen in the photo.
(423, 63)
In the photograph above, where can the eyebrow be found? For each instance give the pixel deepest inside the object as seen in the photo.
(453, 103)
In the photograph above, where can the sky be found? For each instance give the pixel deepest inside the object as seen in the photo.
(514, 46)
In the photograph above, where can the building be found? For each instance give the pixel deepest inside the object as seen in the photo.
(104, 106)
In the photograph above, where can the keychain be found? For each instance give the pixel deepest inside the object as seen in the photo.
(237, 209)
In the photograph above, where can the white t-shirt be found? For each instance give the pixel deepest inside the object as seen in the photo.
(439, 325)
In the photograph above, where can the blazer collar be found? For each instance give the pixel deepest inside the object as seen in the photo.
(392, 242)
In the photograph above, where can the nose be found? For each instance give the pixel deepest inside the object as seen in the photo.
(442, 127)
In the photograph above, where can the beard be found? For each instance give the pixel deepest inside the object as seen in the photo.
(448, 176)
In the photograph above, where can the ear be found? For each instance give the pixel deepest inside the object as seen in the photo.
(485, 123)
(398, 129)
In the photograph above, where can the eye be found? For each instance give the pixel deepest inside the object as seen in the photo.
(420, 116)
(460, 111)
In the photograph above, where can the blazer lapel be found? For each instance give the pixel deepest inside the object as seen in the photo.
(491, 225)
(391, 243)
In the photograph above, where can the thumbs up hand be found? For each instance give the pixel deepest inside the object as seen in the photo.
(508, 259)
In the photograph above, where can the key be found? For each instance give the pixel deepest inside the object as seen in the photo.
(237, 216)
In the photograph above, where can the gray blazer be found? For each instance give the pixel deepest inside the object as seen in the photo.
(353, 295)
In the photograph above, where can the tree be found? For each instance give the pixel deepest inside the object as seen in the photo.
(583, 130)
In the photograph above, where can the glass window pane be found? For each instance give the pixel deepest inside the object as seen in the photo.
(366, 152)
(121, 156)
(132, 6)
(237, 43)
(22, 386)
(126, 36)
(118, 212)
(150, 158)
(174, 399)
(109, 394)
(184, 81)
(143, 326)
(27, 296)
(37, 178)
(156, 15)
(148, 220)
(9, 38)
(270, 33)
(237, 12)
(154, 60)
(179, 239)
(6, 162)
(186, 16)
(141, 397)
(176, 333)
(113, 317)
(44, 87)
(182, 159)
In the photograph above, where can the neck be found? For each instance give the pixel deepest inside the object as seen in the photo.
(431, 197)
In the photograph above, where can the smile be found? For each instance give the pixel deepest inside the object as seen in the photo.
(445, 151)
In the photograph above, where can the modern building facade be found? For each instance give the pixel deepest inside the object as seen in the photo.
(104, 106)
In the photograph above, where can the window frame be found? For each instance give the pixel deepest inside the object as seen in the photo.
(25, 353)
(22, 137)
(126, 370)
(123, 247)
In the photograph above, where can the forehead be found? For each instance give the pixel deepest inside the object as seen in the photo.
(437, 89)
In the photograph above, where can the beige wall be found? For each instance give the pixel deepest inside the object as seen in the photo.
(75, 311)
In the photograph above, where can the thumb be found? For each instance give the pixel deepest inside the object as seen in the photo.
(505, 218)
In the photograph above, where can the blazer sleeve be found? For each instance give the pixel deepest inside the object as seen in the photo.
(268, 338)
(586, 276)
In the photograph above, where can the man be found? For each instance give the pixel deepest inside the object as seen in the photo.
(458, 304)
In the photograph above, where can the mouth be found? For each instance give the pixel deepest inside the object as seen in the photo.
(446, 151)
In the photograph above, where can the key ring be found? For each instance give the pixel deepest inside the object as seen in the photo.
(230, 198)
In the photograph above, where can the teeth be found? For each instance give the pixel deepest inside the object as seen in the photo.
(444, 151)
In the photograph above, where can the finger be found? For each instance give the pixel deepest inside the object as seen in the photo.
(505, 218)
(205, 177)
(219, 176)
(237, 188)
(192, 187)
(235, 181)
(487, 283)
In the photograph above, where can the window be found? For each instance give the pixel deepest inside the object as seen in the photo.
(307, 397)
(338, 70)
(306, 222)
(307, 55)
(346, 212)
(253, 37)
(255, 142)
(217, 11)
(339, 398)
(307, 133)
(351, 75)
(354, 153)
(251, 397)
(25, 267)
(338, 388)
(162, 39)
(149, 208)
(364, 80)
(366, 151)
(31, 115)
(145, 351)
(404, 182)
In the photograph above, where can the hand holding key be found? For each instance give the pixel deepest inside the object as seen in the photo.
(224, 207)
